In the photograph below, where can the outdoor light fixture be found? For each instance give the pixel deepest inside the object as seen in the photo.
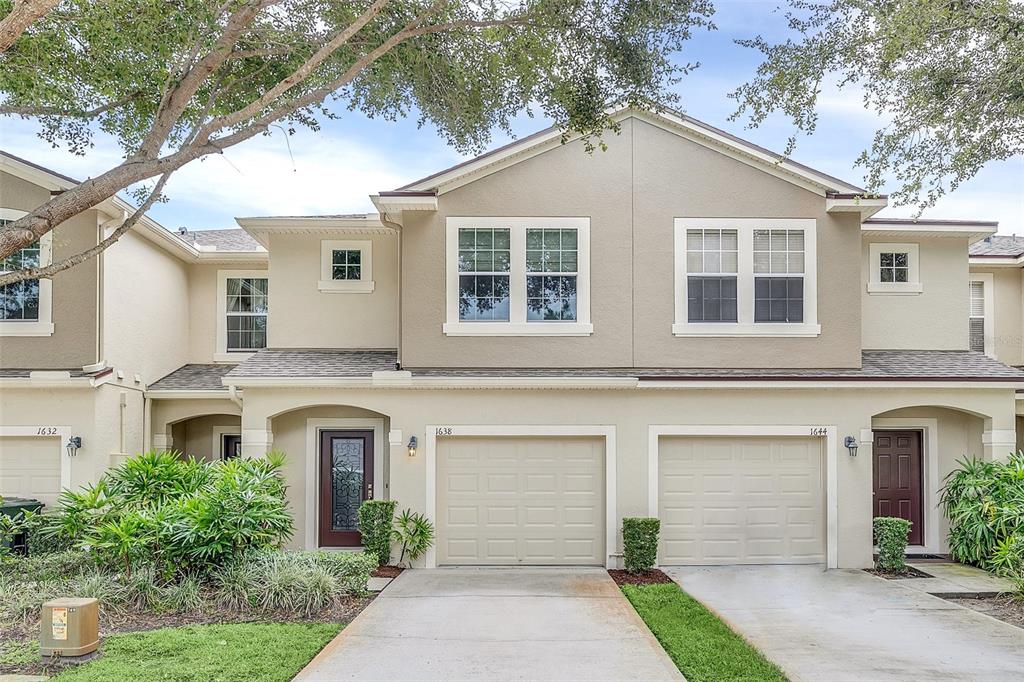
(850, 443)
(74, 442)
(412, 446)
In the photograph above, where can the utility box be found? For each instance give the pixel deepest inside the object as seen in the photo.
(69, 627)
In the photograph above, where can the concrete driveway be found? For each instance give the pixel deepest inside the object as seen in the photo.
(496, 624)
(849, 625)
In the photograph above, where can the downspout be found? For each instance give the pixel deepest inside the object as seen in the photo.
(397, 227)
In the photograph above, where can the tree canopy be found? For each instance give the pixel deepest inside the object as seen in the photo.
(947, 74)
(175, 80)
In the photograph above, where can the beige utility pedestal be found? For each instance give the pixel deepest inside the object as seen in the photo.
(69, 627)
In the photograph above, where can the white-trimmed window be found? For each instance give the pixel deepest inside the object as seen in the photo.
(346, 267)
(894, 269)
(518, 277)
(242, 312)
(26, 306)
(745, 277)
(980, 320)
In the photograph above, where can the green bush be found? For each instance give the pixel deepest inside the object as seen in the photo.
(416, 534)
(375, 519)
(984, 502)
(891, 537)
(180, 515)
(640, 543)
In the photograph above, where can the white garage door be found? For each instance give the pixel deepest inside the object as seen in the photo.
(741, 500)
(520, 501)
(30, 467)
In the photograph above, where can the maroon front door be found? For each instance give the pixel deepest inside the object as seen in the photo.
(346, 481)
(898, 481)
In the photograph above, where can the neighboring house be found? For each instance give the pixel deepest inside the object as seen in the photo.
(533, 344)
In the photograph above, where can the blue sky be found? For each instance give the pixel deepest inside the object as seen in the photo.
(334, 170)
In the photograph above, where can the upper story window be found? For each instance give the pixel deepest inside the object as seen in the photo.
(980, 320)
(25, 306)
(346, 267)
(518, 276)
(242, 312)
(745, 277)
(894, 269)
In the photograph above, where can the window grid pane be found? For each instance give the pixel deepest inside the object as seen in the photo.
(550, 298)
(894, 267)
(711, 299)
(484, 250)
(712, 251)
(778, 252)
(20, 300)
(551, 250)
(778, 299)
(483, 298)
(246, 313)
(346, 264)
(484, 254)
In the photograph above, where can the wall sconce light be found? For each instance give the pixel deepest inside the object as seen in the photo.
(850, 443)
(412, 446)
(74, 442)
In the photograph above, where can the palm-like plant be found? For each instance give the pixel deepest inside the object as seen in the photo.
(415, 532)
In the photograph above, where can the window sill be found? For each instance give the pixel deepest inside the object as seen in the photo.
(753, 330)
(15, 328)
(233, 357)
(518, 329)
(331, 286)
(895, 288)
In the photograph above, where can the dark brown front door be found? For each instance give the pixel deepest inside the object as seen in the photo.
(898, 482)
(346, 481)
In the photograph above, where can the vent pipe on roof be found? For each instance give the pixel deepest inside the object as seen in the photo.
(182, 230)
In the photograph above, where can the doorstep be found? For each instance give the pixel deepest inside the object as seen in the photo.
(956, 580)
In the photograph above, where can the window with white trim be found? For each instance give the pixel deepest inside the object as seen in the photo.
(346, 267)
(976, 316)
(25, 306)
(894, 269)
(242, 313)
(517, 277)
(745, 277)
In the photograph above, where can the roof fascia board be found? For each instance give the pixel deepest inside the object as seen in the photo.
(973, 233)
(996, 261)
(397, 204)
(866, 206)
(184, 394)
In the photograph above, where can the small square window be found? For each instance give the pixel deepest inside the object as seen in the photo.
(346, 267)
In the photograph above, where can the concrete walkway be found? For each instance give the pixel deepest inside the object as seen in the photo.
(850, 625)
(496, 624)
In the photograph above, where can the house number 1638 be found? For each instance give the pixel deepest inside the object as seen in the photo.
(443, 431)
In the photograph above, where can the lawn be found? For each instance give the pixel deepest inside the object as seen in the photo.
(241, 652)
(702, 647)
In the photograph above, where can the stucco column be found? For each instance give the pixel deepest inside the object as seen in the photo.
(257, 438)
(162, 441)
(999, 443)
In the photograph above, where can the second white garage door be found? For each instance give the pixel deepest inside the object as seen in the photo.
(520, 501)
(741, 500)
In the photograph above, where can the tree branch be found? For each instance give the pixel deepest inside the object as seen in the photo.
(71, 261)
(22, 15)
(54, 111)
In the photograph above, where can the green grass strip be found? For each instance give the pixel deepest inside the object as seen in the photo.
(242, 652)
(702, 647)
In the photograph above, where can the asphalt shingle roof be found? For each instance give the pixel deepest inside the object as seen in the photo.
(224, 240)
(329, 363)
(998, 245)
(193, 378)
(23, 373)
(877, 365)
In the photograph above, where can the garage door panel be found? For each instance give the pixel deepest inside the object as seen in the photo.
(741, 500)
(30, 467)
(542, 501)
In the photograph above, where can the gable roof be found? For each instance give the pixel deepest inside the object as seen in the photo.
(667, 119)
(233, 239)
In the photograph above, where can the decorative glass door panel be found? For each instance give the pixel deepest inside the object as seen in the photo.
(346, 481)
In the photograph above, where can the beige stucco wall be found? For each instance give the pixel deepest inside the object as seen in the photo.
(166, 413)
(1008, 305)
(94, 414)
(73, 342)
(301, 316)
(935, 319)
(195, 437)
(145, 308)
(631, 413)
(202, 297)
(632, 192)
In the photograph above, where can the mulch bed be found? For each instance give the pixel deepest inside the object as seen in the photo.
(112, 624)
(906, 574)
(387, 572)
(1007, 608)
(652, 577)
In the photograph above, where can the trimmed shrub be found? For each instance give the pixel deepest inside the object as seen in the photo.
(891, 535)
(640, 543)
(984, 502)
(375, 519)
(415, 532)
